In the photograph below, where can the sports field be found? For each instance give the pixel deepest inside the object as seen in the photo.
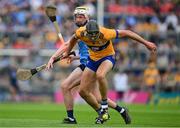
(51, 115)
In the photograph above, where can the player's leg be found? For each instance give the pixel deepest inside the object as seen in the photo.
(71, 81)
(121, 110)
(112, 104)
(96, 93)
(104, 67)
(87, 80)
(67, 85)
(102, 70)
(14, 90)
(85, 89)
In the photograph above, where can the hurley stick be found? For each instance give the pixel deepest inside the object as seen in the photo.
(51, 13)
(26, 74)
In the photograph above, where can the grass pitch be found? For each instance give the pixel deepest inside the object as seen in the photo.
(51, 115)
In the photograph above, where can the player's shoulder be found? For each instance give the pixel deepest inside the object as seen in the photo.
(80, 30)
(105, 29)
(101, 28)
(108, 33)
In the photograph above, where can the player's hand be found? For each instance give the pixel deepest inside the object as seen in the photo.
(151, 46)
(50, 63)
(65, 55)
(70, 59)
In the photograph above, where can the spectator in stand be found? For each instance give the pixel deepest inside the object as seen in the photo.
(151, 77)
(26, 19)
(146, 26)
(170, 83)
(120, 81)
(21, 43)
(14, 87)
(171, 21)
(91, 7)
(63, 8)
(2, 25)
(177, 80)
(162, 27)
(166, 6)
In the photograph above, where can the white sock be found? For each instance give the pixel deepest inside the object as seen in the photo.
(122, 110)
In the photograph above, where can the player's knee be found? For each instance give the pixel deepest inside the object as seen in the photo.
(82, 93)
(64, 85)
(98, 99)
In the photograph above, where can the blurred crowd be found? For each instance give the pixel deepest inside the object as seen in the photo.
(24, 25)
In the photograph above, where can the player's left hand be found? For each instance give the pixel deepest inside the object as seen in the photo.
(50, 63)
(65, 55)
(151, 46)
(70, 59)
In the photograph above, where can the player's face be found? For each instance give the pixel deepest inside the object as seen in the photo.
(80, 20)
(93, 36)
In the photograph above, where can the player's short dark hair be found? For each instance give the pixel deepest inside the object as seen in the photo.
(92, 27)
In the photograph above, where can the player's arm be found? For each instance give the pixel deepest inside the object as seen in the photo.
(127, 33)
(71, 44)
(72, 58)
(75, 57)
(60, 51)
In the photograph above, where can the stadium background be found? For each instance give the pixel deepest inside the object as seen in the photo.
(28, 39)
(150, 84)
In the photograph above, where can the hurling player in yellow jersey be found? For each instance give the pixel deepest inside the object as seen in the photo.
(81, 17)
(101, 60)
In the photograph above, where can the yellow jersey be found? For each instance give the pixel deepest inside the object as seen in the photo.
(151, 76)
(103, 46)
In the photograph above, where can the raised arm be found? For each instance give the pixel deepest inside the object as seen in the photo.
(127, 33)
(60, 51)
(65, 49)
(71, 44)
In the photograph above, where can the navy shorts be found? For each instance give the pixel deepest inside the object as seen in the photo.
(93, 65)
(82, 66)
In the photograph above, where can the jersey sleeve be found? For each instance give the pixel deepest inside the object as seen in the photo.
(110, 33)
